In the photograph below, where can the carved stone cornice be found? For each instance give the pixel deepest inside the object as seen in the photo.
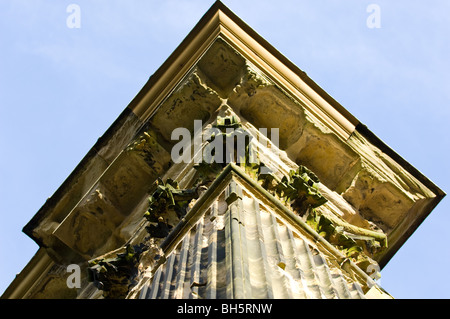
(224, 70)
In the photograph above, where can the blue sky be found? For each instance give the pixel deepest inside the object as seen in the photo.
(61, 88)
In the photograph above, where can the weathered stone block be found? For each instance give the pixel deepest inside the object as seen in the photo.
(223, 67)
(191, 98)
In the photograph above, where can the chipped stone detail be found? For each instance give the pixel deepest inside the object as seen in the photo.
(167, 205)
(115, 275)
(363, 196)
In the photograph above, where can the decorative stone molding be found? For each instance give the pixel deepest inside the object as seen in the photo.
(167, 205)
(115, 275)
(355, 195)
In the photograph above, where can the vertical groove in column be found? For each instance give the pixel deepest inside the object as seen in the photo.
(211, 272)
(235, 252)
(276, 259)
(307, 265)
(236, 241)
(357, 292)
(324, 276)
(195, 281)
(259, 276)
(222, 266)
(293, 270)
(243, 243)
(182, 269)
(243, 251)
(155, 284)
(166, 286)
(339, 284)
(230, 271)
